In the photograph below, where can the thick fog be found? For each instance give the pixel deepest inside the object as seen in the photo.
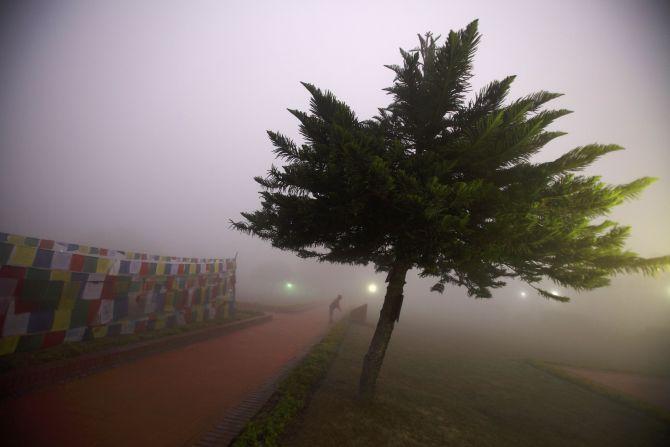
(140, 124)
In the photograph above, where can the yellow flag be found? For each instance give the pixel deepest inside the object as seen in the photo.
(8, 344)
(99, 331)
(104, 265)
(62, 320)
(16, 239)
(60, 275)
(23, 255)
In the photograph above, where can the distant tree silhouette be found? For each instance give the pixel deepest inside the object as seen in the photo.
(445, 185)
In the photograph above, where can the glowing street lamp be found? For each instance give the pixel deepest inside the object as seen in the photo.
(372, 288)
(289, 285)
(523, 294)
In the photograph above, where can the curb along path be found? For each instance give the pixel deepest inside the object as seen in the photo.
(26, 379)
(235, 419)
(166, 399)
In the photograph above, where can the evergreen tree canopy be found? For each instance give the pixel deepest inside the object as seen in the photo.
(446, 184)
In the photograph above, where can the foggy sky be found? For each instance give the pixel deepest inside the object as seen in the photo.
(139, 125)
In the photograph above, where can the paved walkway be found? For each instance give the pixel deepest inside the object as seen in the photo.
(655, 390)
(167, 399)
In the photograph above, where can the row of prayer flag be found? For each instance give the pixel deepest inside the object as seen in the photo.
(50, 244)
(50, 295)
(27, 256)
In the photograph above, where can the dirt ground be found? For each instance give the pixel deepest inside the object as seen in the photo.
(655, 390)
(167, 399)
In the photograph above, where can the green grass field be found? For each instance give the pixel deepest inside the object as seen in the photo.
(455, 391)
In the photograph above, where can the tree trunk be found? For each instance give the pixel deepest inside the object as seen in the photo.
(388, 316)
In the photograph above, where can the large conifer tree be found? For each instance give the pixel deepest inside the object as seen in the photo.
(445, 185)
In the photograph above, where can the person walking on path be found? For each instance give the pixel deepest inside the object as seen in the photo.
(335, 305)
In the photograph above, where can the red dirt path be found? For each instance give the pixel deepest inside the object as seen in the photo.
(655, 390)
(167, 399)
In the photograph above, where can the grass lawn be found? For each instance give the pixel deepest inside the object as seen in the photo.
(438, 391)
(74, 349)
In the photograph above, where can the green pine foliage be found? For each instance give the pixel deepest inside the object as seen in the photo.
(446, 182)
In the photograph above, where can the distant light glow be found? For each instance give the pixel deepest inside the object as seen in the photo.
(523, 294)
(372, 288)
(289, 285)
(555, 292)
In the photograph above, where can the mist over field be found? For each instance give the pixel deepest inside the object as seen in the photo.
(140, 126)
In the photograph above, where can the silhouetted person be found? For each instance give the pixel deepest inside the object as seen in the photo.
(335, 305)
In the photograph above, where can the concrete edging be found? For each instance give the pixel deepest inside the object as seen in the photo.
(27, 379)
(226, 430)
(229, 427)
